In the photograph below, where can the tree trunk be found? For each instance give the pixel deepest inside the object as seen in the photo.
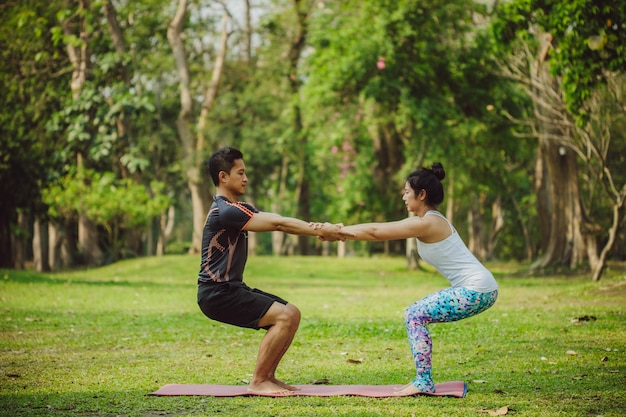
(40, 245)
(253, 238)
(410, 247)
(476, 227)
(56, 237)
(280, 240)
(558, 201)
(166, 228)
(19, 241)
(302, 195)
(6, 250)
(193, 150)
(388, 151)
(79, 58)
(527, 243)
(558, 194)
(341, 249)
(497, 224)
(62, 238)
(450, 197)
(599, 267)
(88, 236)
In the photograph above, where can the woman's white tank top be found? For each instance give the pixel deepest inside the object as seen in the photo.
(455, 262)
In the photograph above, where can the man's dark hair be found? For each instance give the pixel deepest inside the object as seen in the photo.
(222, 160)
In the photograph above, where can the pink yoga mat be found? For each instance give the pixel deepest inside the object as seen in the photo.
(449, 389)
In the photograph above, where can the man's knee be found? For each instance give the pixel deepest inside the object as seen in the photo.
(292, 315)
(286, 315)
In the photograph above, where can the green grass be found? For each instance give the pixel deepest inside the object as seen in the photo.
(95, 342)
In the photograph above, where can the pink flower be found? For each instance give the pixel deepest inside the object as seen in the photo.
(381, 63)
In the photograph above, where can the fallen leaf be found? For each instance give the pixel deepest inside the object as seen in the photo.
(355, 361)
(479, 381)
(571, 353)
(502, 411)
(323, 381)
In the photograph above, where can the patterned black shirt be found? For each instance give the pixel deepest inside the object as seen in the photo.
(224, 242)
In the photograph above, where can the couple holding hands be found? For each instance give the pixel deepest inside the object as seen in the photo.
(223, 296)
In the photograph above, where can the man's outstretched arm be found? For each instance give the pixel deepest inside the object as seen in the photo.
(269, 222)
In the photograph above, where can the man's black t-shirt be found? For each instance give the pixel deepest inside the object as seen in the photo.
(224, 242)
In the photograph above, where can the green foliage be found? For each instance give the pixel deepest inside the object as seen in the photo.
(104, 199)
(429, 74)
(420, 76)
(89, 123)
(115, 204)
(379, 65)
(588, 38)
(32, 82)
(96, 341)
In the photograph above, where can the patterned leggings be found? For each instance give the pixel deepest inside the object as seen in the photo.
(447, 305)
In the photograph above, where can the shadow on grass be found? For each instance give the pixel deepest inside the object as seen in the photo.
(28, 277)
(101, 404)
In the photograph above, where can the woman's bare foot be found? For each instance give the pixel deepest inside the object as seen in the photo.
(268, 387)
(410, 389)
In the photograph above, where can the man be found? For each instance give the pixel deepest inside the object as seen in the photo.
(222, 294)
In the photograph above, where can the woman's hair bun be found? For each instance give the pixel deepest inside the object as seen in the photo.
(438, 170)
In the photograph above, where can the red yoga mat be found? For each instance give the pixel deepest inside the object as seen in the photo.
(446, 389)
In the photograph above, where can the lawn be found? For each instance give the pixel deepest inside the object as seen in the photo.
(96, 342)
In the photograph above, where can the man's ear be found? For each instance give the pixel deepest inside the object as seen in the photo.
(222, 176)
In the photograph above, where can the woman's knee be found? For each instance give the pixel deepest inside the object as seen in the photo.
(415, 313)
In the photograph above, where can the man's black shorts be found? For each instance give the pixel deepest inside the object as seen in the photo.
(235, 303)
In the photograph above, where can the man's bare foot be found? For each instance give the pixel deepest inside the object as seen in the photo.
(286, 386)
(410, 389)
(268, 387)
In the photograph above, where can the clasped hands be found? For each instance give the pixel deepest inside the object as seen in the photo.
(331, 232)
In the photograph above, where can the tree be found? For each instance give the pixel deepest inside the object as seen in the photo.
(565, 57)
(590, 55)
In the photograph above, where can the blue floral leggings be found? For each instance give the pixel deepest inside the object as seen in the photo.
(443, 306)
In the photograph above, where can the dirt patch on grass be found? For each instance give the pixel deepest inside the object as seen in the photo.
(613, 289)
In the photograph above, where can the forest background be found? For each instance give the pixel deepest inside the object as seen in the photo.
(109, 110)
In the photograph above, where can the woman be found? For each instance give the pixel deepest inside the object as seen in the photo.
(473, 288)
